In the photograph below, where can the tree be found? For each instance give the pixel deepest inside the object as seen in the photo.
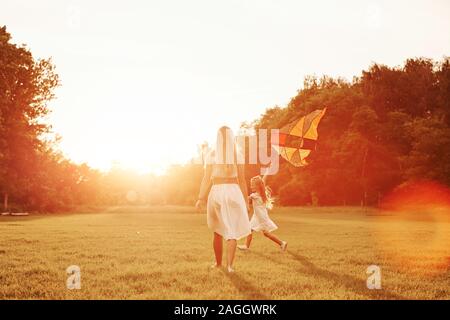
(430, 152)
(389, 126)
(26, 86)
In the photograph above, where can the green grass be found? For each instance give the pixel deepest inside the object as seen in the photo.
(165, 253)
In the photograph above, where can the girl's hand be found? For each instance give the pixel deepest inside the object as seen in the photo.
(200, 204)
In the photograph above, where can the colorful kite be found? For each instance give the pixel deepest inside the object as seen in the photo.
(297, 140)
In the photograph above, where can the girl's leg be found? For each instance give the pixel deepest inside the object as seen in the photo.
(231, 250)
(273, 237)
(249, 240)
(218, 248)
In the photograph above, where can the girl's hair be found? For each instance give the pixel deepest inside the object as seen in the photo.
(264, 191)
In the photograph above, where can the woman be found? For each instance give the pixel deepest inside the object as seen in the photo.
(227, 209)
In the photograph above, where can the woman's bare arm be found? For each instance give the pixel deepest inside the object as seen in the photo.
(206, 183)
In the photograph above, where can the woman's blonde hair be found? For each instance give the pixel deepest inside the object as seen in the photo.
(264, 191)
(225, 153)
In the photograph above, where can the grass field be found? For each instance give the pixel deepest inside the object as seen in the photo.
(165, 253)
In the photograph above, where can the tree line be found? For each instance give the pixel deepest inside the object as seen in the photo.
(388, 127)
(383, 129)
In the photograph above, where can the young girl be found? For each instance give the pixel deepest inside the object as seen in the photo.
(260, 221)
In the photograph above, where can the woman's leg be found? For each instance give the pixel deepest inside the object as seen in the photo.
(231, 250)
(272, 237)
(218, 248)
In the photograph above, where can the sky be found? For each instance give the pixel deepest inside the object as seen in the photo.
(144, 82)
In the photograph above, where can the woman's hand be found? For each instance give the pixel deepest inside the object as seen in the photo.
(200, 204)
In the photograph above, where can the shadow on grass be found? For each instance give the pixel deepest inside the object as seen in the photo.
(245, 287)
(18, 220)
(353, 284)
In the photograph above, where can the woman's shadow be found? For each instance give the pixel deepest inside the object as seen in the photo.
(353, 284)
(245, 287)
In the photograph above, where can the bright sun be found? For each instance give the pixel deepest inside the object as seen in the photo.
(138, 141)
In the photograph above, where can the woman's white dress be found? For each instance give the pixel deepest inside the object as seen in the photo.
(226, 209)
(260, 220)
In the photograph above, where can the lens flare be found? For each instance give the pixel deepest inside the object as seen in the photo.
(417, 238)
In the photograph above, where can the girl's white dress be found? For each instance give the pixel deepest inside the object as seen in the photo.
(260, 220)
